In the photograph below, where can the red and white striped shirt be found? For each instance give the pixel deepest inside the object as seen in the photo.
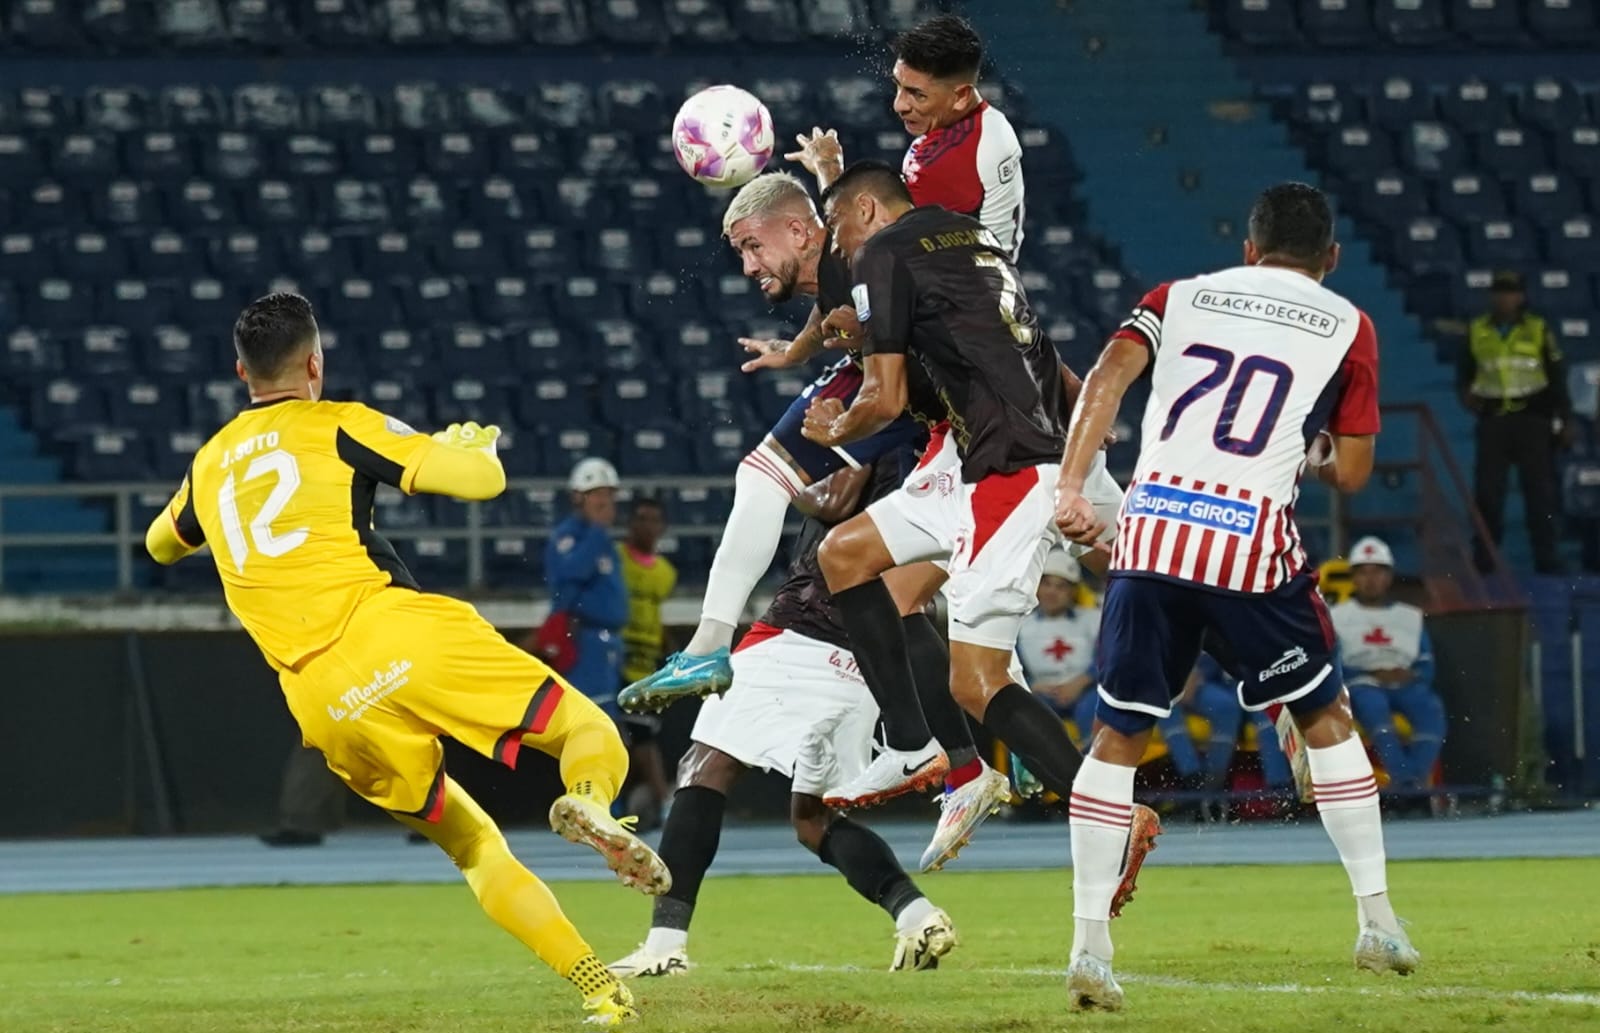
(973, 167)
(1249, 364)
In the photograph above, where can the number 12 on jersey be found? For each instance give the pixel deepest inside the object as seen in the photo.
(266, 542)
(1238, 378)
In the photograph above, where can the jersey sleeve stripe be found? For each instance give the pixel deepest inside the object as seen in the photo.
(368, 461)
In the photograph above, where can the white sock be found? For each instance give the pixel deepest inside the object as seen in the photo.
(911, 917)
(1101, 814)
(1347, 800)
(664, 941)
(761, 492)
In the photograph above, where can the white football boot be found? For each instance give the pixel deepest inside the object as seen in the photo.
(922, 948)
(1380, 951)
(961, 811)
(891, 773)
(1091, 986)
(645, 963)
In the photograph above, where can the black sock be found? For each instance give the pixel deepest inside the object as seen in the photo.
(868, 865)
(930, 669)
(688, 846)
(878, 640)
(1027, 725)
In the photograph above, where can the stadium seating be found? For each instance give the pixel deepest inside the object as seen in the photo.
(1407, 24)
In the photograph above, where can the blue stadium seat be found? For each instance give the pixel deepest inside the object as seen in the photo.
(427, 204)
(343, 110)
(767, 21)
(510, 300)
(688, 247)
(563, 104)
(398, 351)
(19, 159)
(190, 106)
(856, 103)
(397, 396)
(653, 451)
(46, 25)
(99, 351)
(514, 562)
(380, 155)
(542, 507)
(831, 19)
(467, 251)
(1495, 22)
(663, 298)
(268, 107)
(29, 355)
(1475, 106)
(469, 350)
(1577, 151)
(1580, 489)
(1359, 151)
(421, 105)
(172, 352)
(48, 205)
(1511, 151)
(1566, 23)
(200, 204)
(145, 406)
(617, 249)
(1471, 197)
(555, 23)
(85, 158)
(633, 105)
(543, 347)
(775, 392)
(164, 253)
(695, 345)
(1548, 198)
(354, 202)
(576, 201)
(1560, 293)
(1580, 338)
(57, 304)
(303, 156)
(496, 202)
(206, 303)
(115, 109)
(584, 298)
(528, 153)
(471, 399)
(1262, 23)
(1470, 292)
(336, 24)
(1414, 23)
(1433, 149)
(1391, 198)
(1576, 243)
(232, 157)
(171, 454)
(710, 396)
(519, 453)
(24, 254)
(1399, 101)
(319, 257)
(44, 108)
(276, 202)
(639, 398)
(159, 156)
(243, 255)
(607, 154)
(124, 202)
(627, 22)
(1552, 105)
(435, 561)
(89, 255)
(64, 402)
(1336, 23)
(112, 455)
(562, 447)
(436, 300)
(552, 402)
(136, 304)
(900, 15)
(699, 22)
(735, 297)
(392, 254)
(719, 450)
(1502, 244)
(215, 402)
(624, 348)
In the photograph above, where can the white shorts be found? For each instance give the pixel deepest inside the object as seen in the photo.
(995, 534)
(797, 706)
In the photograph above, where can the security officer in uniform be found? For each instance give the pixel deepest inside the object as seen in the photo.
(1513, 379)
(586, 589)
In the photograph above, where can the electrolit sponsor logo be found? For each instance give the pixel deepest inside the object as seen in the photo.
(1230, 515)
(1291, 660)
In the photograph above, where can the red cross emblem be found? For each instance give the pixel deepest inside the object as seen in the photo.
(1377, 637)
(1058, 649)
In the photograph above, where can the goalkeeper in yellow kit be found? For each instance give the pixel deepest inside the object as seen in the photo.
(375, 670)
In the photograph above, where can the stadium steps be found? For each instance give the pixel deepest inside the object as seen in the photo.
(47, 569)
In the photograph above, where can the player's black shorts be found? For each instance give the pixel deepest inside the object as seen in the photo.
(1280, 645)
(841, 380)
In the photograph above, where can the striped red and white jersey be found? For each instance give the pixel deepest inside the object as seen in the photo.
(972, 167)
(1248, 365)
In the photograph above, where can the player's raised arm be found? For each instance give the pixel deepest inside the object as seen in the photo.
(1346, 463)
(175, 532)
(459, 462)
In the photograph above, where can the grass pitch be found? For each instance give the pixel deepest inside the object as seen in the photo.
(1512, 945)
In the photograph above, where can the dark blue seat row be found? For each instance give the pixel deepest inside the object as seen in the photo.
(1472, 105)
(1341, 24)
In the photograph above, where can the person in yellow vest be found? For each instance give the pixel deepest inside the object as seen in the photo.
(1512, 377)
(649, 578)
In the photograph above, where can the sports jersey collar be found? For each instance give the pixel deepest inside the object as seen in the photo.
(273, 401)
(933, 134)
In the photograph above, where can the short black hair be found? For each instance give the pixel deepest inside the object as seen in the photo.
(945, 47)
(869, 175)
(271, 331)
(648, 502)
(1293, 220)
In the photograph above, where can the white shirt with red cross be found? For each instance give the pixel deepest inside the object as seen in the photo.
(1058, 649)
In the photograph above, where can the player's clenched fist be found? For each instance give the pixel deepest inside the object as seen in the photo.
(1076, 518)
(820, 419)
(468, 435)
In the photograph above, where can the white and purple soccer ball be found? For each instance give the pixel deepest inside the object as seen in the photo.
(723, 136)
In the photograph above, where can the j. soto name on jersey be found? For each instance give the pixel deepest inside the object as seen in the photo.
(1248, 365)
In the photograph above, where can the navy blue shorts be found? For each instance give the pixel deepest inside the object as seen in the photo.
(840, 380)
(1280, 645)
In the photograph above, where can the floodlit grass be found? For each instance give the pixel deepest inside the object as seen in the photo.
(1513, 945)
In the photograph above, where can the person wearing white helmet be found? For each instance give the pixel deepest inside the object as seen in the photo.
(1388, 665)
(587, 595)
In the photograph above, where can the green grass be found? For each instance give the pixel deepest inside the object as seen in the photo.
(1193, 951)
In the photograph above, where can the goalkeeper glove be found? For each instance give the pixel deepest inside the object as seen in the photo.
(469, 435)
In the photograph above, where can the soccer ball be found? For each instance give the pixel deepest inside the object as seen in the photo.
(723, 136)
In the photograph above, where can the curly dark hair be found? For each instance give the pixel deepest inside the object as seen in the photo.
(945, 47)
(271, 331)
